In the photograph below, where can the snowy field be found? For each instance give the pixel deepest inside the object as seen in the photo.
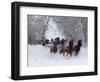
(39, 55)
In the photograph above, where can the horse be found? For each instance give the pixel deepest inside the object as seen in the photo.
(57, 40)
(77, 47)
(68, 49)
(45, 42)
(52, 41)
(62, 42)
(53, 47)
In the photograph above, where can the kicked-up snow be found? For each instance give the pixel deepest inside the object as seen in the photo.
(39, 55)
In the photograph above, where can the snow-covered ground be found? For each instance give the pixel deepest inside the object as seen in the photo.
(39, 55)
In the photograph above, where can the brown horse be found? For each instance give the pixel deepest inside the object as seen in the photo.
(53, 49)
(77, 47)
(69, 49)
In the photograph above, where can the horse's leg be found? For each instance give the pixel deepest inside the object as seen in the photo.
(75, 53)
(67, 54)
(51, 50)
(63, 53)
(70, 54)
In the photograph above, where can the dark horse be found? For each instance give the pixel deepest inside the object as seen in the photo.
(77, 47)
(45, 42)
(53, 48)
(57, 40)
(62, 42)
(68, 49)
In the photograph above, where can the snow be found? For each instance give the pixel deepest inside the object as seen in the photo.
(39, 55)
(52, 31)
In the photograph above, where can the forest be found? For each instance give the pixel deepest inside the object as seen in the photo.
(46, 27)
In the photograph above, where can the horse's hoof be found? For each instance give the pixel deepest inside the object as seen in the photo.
(69, 56)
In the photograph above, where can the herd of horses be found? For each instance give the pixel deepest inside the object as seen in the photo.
(63, 46)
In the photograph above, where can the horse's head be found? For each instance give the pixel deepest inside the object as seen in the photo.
(57, 39)
(52, 39)
(62, 41)
(71, 42)
(80, 43)
(47, 41)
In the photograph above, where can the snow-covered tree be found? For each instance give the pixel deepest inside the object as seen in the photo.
(41, 27)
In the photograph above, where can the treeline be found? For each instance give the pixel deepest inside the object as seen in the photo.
(71, 27)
